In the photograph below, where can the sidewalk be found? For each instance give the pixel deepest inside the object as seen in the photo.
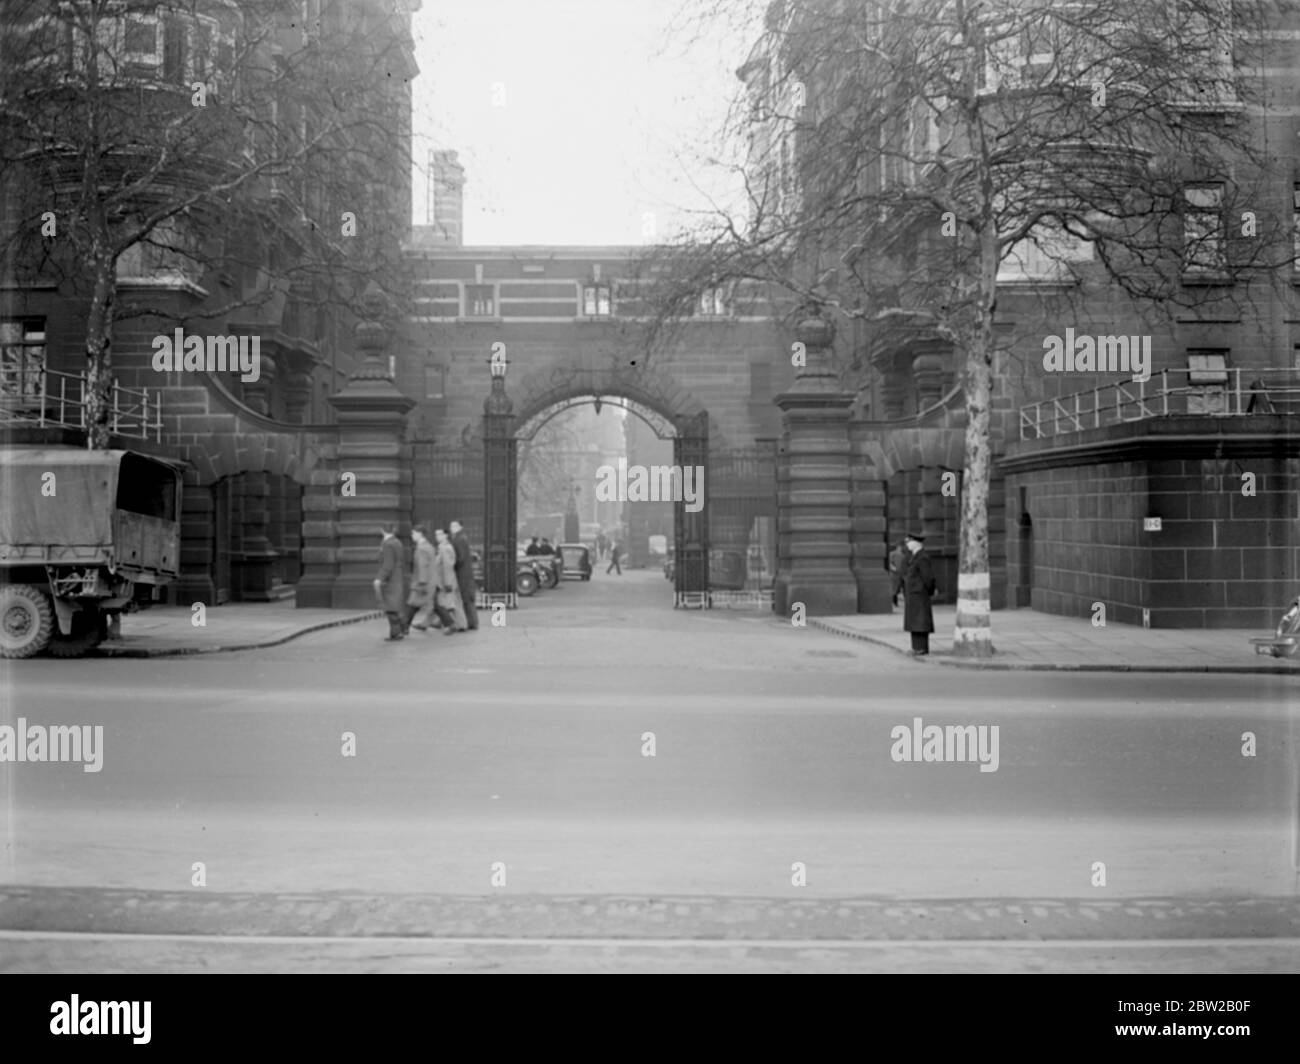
(1025, 639)
(165, 631)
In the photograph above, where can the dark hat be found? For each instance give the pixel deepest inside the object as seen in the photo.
(916, 536)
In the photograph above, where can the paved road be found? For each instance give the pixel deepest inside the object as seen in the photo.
(518, 752)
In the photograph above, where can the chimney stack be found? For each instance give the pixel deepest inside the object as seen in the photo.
(446, 198)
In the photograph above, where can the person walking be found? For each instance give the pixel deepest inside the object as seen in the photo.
(897, 559)
(918, 586)
(390, 584)
(465, 574)
(600, 546)
(446, 598)
(613, 559)
(420, 601)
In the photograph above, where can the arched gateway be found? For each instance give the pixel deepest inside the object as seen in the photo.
(672, 414)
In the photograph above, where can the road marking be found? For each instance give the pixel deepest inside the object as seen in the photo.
(668, 943)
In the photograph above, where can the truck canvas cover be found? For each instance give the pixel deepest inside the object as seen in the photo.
(72, 508)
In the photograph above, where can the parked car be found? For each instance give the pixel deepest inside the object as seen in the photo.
(84, 536)
(549, 569)
(527, 577)
(575, 559)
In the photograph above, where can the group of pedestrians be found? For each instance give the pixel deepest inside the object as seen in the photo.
(441, 582)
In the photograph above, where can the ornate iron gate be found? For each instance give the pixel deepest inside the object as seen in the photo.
(691, 530)
(742, 523)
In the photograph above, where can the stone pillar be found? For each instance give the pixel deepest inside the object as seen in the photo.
(500, 528)
(254, 563)
(813, 501)
(198, 514)
(870, 525)
(297, 396)
(928, 372)
(258, 394)
(320, 569)
(372, 449)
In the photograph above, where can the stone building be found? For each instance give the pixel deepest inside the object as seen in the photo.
(254, 447)
(1172, 501)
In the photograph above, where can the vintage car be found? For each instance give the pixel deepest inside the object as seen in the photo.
(549, 569)
(84, 536)
(527, 574)
(575, 560)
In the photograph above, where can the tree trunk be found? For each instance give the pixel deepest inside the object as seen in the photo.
(99, 355)
(972, 634)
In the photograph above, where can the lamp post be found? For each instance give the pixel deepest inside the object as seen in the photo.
(499, 474)
(572, 527)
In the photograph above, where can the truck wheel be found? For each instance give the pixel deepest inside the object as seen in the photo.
(87, 632)
(26, 621)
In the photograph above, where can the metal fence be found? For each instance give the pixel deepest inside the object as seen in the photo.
(1235, 392)
(47, 398)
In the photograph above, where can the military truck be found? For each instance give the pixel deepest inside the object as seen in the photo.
(84, 536)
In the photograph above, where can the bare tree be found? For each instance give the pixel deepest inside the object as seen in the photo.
(204, 140)
(901, 156)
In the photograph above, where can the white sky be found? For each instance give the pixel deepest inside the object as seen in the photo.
(607, 114)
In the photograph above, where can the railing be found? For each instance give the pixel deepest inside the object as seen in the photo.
(1238, 392)
(47, 398)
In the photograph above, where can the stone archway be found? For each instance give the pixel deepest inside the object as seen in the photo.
(680, 417)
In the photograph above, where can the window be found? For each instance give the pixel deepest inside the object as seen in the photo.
(22, 360)
(174, 51)
(142, 39)
(435, 381)
(1045, 256)
(480, 301)
(1207, 381)
(713, 303)
(595, 300)
(1203, 245)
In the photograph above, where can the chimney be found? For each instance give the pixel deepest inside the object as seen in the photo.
(446, 200)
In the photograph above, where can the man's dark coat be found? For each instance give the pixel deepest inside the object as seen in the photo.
(918, 586)
(392, 575)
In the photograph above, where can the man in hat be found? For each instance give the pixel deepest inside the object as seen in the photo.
(391, 582)
(918, 586)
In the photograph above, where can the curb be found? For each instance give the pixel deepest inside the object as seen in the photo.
(179, 652)
(1034, 666)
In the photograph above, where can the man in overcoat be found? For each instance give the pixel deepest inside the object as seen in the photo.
(390, 584)
(465, 574)
(420, 601)
(918, 586)
(446, 601)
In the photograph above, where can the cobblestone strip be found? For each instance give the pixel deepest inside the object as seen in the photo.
(115, 911)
